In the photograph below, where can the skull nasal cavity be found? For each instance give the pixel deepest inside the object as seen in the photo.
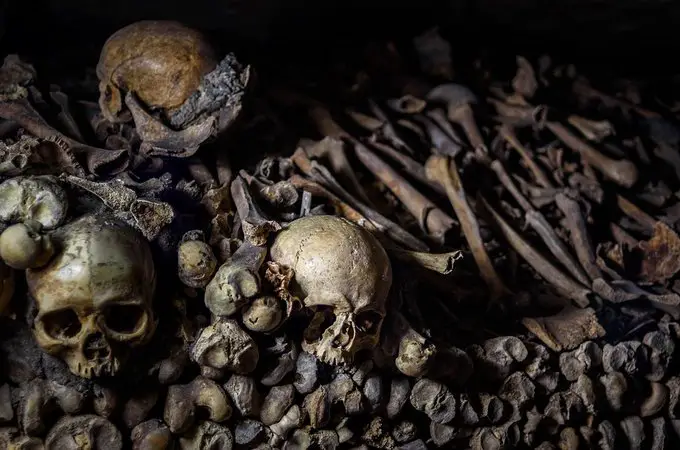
(96, 347)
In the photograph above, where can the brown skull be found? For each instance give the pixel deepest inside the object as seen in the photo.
(161, 62)
(94, 298)
(344, 275)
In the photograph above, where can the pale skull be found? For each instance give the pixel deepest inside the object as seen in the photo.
(94, 298)
(343, 273)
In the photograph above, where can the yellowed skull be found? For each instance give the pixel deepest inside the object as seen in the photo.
(94, 298)
(343, 273)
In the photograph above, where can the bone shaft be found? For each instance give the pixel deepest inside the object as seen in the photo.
(567, 285)
(578, 232)
(539, 176)
(622, 172)
(411, 166)
(540, 225)
(432, 219)
(454, 189)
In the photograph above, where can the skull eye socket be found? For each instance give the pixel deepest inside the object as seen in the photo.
(63, 324)
(368, 321)
(123, 319)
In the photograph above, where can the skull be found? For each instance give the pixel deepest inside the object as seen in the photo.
(94, 297)
(344, 275)
(162, 62)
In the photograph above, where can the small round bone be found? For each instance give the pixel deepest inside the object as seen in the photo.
(86, 432)
(39, 198)
(236, 281)
(276, 403)
(183, 401)
(434, 399)
(40, 398)
(224, 346)
(196, 263)
(152, 435)
(264, 314)
(23, 247)
(244, 394)
(207, 435)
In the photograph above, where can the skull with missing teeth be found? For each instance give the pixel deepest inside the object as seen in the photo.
(94, 298)
(342, 273)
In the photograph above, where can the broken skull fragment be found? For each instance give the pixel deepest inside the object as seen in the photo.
(168, 79)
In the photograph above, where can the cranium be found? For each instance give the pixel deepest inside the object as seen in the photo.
(161, 62)
(342, 273)
(94, 297)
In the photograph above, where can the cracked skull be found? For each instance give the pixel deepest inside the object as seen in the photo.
(344, 275)
(94, 298)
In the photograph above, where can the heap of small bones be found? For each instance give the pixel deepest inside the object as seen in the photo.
(309, 299)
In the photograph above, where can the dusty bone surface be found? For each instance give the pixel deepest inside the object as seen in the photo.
(188, 299)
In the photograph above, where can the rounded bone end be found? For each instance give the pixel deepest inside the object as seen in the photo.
(23, 247)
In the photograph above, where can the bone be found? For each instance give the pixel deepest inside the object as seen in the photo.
(567, 329)
(39, 198)
(223, 346)
(161, 140)
(152, 435)
(322, 176)
(86, 431)
(317, 406)
(332, 148)
(567, 285)
(445, 172)
(406, 104)
(207, 434)
(23, 246)
(458, 99)
(138, 407)
(244, 394)
(442, 142)
(578, 233)
(290, 421)
(263, 315)
(279, 360)
(414, 354)
(248, 432)
(28, 118)
(540, 225)
(256, 226)
(113, 193)
(432, 220)
(507, 133)
(276, 403)
(196, 263)
(343, 209)
(236, 281)
(150, 216)
(438, 116)
(433, 399)
(182, 403)
(622, 172)
(42, 397)
(407, 165)
(387, 131)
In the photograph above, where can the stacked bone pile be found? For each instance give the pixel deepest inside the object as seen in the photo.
(439, 260)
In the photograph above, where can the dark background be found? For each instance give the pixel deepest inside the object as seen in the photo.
(636, 36)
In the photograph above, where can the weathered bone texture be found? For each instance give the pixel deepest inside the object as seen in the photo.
(341, 270)
(94, 297)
